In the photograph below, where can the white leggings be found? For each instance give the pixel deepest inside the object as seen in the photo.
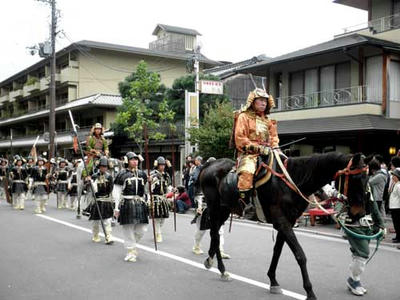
(158, 224)
(200, 233)
(18, 199)
(132, 234)
(357, 267)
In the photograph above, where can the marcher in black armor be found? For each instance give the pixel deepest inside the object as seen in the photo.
(130, 205)
(160, 181)
(29, 166)
(61, 176)
(102, 186)
(19, 176)
(39, 174)
(73, 185)
(3, 176)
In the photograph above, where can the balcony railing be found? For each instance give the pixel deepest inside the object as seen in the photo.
(15, 94)
(4, 98)
(351, 95)
(376, 25)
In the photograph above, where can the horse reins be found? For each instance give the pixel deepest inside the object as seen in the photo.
(347, 172)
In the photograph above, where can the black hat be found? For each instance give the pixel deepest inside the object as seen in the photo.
(103, 162)
(396, 172)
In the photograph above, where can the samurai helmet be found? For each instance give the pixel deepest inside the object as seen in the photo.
(159, 161)
(128, 156)
(40, 158)
(17, 158)
(259, 93)
(103, 162)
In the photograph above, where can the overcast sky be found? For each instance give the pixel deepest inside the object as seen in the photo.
(231, 30)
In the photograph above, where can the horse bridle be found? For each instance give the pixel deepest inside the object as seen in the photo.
(347, 172)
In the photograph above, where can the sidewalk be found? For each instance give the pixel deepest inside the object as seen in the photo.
(329, 229)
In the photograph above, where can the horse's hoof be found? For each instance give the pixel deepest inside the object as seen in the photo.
(275, 289)
(226, 277)
(208, 263)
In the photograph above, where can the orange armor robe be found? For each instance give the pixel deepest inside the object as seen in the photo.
(251, 131)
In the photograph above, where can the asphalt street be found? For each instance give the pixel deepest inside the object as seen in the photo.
(51, 256)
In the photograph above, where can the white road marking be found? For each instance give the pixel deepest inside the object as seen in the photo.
(183, 260)
(314, 234)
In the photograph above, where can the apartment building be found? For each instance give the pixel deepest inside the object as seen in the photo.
(87, 77)
(343, 94)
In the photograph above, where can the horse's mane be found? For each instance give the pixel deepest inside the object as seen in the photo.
(315, 169)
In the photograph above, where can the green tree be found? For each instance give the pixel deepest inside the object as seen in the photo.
(214, 132)
(144, 106)
(176, 95)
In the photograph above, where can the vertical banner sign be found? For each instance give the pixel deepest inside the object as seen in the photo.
(191, 117)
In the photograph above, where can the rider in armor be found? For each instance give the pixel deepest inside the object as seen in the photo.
(254, 133)
(160, 181)
(96, 141)
(102, 186)
(39, 175)
(131, 208)
(19, 177)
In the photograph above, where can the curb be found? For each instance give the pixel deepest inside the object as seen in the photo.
(316, 232)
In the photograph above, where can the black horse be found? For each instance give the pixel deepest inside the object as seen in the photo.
(281, 205)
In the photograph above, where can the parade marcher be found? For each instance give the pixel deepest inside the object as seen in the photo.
(394, 203)
(160, 181)
(96, 141)
(29, 166)
(131, 208)
(359, 218)
(254, 132)
(61, 176)
(194, 174)
(202, 220)
(3, 178)
(19, 177)
(102, 186)
(73, 185)
(39, 175)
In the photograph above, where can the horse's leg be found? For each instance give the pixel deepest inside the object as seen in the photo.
(280, 241)
(217, 218)
(291, 240)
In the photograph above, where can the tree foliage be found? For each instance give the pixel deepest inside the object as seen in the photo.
(214, 131)
(143, 106)
(176, 95)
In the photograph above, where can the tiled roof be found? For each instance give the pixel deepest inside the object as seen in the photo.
(329, 46)
(169, 28)
(144, 51)
(98, 100)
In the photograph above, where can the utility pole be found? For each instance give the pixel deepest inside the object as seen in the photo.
(48, 50)
(52, 115)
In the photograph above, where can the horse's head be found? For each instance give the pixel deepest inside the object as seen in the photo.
(352, 181)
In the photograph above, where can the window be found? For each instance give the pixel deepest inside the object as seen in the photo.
(374, 79)
(189, 42)
(394, 81)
